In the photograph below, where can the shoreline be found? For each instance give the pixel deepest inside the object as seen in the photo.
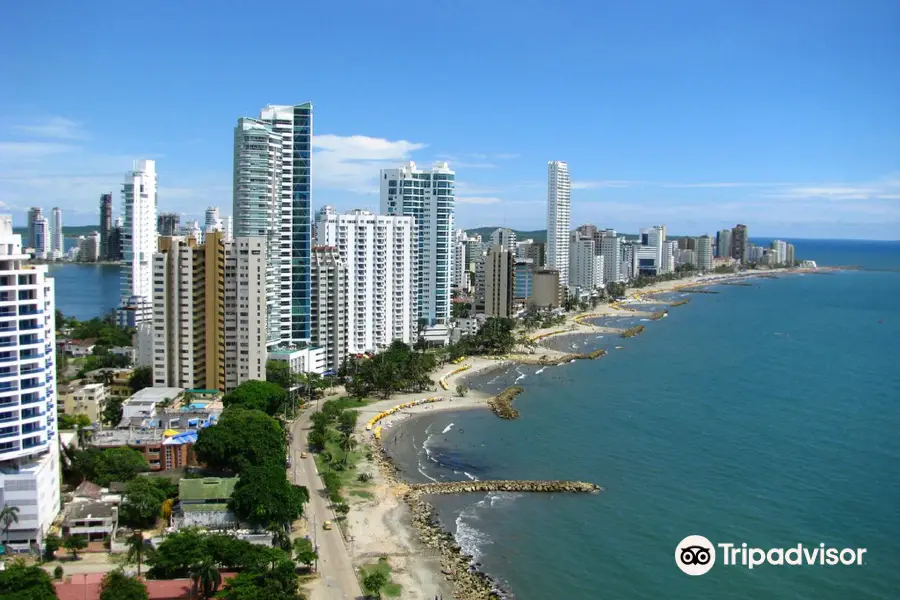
(432, 560)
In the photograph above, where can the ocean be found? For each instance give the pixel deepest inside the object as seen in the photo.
(765, 414)
(85, 291)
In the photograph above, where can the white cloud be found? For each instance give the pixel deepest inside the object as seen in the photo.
(478, 200)
(52, 127)
(352, 163)
(588, 185)
(28, 150)
(721, 184)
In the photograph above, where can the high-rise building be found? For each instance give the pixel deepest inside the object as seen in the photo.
(499, 276)
(723, 243)
(168, 224)
(293, 232)
(524, 279)
(546, 290)
(655, 237)
(258, 190)
(29, 448)
(114, 243)
(429, 197)
(559, 219)
(668, 258)
(33, 213)
(56, 233)
(89, 247)
(209, 325)
(213, 220)
(138, 243)
(704, 252)
(790, 259)
(611, 251)
(106, 222)
(687, 243)
(379, 254)
(461, 279)
(228, 228)
(329, 304)
(740, 242)
(504, 237)
(585, 265)
(40, 236)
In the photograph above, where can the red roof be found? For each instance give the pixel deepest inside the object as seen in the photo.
(87, 587)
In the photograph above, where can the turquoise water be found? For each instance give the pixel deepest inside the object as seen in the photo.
(765, 414)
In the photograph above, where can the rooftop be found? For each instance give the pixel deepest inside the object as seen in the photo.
(155, 394)
(208, 488)
(89, 510)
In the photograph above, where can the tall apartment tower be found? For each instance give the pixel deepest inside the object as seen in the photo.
(704, 252)
(611, 251)
(40, 236)
(56, 233)
(139, 236)
(106, 223)
(740, 242)
(379, 254)
(585, 265)
(33, 213)
(723, 243)
(168, 224)
(213, 220)
(208, 323)
(257, 207)
(504, 237)
(29, 449)
(329, 304)
(293, 233)
(499, 282)
(559, 219)
(428, 197)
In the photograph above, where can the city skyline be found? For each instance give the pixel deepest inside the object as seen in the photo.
(753, 132)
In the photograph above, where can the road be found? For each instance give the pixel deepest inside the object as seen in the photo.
(337, 579)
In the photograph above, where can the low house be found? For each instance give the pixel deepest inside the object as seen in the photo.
(79, 348)
(86, 399)
(96, 520)
(204, 503)
(116, 380)
(144, 402)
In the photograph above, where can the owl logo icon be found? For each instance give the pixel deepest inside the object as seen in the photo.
(695, 555)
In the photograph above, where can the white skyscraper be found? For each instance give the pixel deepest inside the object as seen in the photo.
(585, 265)
(138, 243)
(429, 197)
(56, 233)
(379, 254)
(40, 236)
(257, 200)
(29, 448)
(611, 251)
(213, 220)
(559, 219)
(504, 237)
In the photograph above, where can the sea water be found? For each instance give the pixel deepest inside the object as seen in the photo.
(766, 414)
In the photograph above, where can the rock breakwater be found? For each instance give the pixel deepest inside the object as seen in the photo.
(501, 404)
(637, 329)
(512, 485)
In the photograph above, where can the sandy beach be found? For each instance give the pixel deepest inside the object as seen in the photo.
(382, 526)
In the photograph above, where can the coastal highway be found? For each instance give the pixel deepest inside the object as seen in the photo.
(337, 579)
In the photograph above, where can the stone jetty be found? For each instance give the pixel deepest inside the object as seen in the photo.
(501, 404)
(687, 291)
(681, 302)
(633, 331)
(659, 315)
(467, 487)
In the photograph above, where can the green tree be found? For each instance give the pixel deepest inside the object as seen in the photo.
(279, 373)
(141, 377)
(67, 422)
(74, 543)
(116, 585)
(373, 582)
(268, 397)
(462, 389)
(263, 495)
(8, 516)
(342, 508)
(305, 552)
(21, 582)
(52, 543)
(177, 552)
(112, 411)
(136, 550)
(142, 502)
(110, 464)
(277, 581)
(347, 421)
(242, 438)
(206, 578)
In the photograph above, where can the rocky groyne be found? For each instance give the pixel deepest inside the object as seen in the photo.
(681, 302)
(558, 359)
(659, 315)
(637, 329)
(468, 487)
(501, 404)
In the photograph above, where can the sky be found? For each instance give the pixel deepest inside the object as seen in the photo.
(697, 114)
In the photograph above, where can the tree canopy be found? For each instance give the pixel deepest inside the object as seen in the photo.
(143, 499)
(263, 495)
(279, 373)
(21, 582)
(103, 466)
(242, 438)
(276, 583)
(397, 369)
(270, 398)
(116, 585)
(180, 551)
(141, 377)
(106, 333)
(495, 337)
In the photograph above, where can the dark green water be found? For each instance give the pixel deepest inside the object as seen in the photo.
(765, 414)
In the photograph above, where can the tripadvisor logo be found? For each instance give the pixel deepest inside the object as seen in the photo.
(696, 555)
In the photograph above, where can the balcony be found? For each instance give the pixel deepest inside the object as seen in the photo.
(31, 398)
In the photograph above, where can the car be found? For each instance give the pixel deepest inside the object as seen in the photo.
(326, 525)
(303, 455)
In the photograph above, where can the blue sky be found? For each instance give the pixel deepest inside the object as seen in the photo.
(784, 115)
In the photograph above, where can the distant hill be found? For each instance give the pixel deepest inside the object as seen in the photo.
(73, 231)
(538, 235)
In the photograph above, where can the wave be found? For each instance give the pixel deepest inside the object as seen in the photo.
(539, 371)
(519, 378)
(645, 319)
(471, 540)
(447, 428)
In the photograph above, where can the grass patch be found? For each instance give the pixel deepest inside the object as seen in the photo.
(391, 590)
(362, 494)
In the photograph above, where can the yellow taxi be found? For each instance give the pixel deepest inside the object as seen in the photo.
(326, 525)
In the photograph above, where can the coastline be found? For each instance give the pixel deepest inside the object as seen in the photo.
(431, 562)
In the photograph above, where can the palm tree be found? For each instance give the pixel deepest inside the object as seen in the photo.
(347, 444)
(9, 515)
(280, 537)
(206, 578)
(107, 377)
(135, 545)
